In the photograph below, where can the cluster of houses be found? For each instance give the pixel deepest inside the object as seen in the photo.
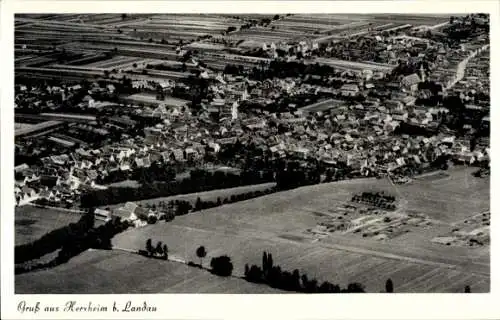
(346, 133)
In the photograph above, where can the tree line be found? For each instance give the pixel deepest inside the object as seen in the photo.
(198, 181)
(158, 251)
(275, 277)
(292, 175)
(169, 210)
(269, 273)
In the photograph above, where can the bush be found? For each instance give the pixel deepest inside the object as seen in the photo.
(222, 266)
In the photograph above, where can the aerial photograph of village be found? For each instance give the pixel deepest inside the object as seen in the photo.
(252, 153)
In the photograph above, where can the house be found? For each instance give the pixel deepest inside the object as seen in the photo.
(349, 90)
(160, 112)
(89, 101)
(126, 212)
(50, 181)
(177, 155)
(301, 152)
(111, 88)
(103, 215)
(410, 82)
(21, 167)
(191, 154)
(26, 196)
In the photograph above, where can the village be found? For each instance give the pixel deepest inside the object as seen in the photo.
(348, 119)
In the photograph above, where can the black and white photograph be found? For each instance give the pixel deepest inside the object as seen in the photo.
(254, 153)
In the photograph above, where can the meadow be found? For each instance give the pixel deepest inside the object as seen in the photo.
(32, 222)
(114, 272)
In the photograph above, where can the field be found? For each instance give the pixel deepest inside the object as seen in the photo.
(327, 27)
(207, 195)
(108, 272)
(31, 222)
(278, 223)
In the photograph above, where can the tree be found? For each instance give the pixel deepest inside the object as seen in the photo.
(149, 247)
(389, 287)
(467, 289)
(165, 252)
(355, 287)
(304, 280)
(198, 204)
(152, 219)
(159, 248)
(222, 266)
(264, 261)
(201, 253)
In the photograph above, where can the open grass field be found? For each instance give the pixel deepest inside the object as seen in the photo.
(31, 222)
(277, 223)
(108, 272)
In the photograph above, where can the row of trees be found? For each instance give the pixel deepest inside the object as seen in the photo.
(169, 210)
(159, 251)
(275, 277)
(295, 69)
(293, 175)
(199, 180)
